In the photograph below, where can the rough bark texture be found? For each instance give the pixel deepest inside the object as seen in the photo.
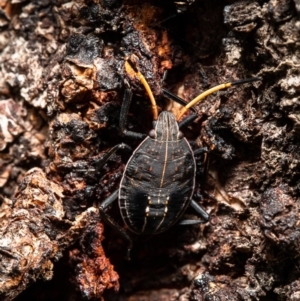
(62, 79)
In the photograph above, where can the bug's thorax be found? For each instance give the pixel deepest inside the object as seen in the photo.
(166, 128)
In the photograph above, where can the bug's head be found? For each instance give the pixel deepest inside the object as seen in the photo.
(166, 128)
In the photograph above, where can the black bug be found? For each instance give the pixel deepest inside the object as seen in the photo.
(159, 179)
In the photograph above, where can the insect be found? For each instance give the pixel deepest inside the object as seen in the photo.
(158, 182)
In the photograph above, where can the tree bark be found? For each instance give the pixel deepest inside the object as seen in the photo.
(63, 77)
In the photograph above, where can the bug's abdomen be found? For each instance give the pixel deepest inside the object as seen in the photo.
(157, 185)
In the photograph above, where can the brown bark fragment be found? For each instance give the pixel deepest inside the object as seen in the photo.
(94, 273)
(24, 244)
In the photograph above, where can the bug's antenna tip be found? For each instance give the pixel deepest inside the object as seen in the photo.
(258, 78)
(246, 80)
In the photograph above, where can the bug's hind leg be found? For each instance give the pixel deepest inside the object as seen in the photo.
(201, 212)
(104, 205)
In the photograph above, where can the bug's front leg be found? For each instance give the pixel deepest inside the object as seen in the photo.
(176, 98)
(110, 221)
(189, 119)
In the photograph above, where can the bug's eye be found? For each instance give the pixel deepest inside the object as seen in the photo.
(180, 135)
(152, 134)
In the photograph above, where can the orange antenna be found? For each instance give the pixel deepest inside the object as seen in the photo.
(146, 86)
(212, 90)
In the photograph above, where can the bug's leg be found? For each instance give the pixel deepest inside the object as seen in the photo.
(176, 98)
(104, 205)
(182, 102)
(203, 214)
(100, 163)
(123, 117)
(172, 96)
(186, 121)
(200, 210)
(95, 164)
(202, 165)
(200, 151)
